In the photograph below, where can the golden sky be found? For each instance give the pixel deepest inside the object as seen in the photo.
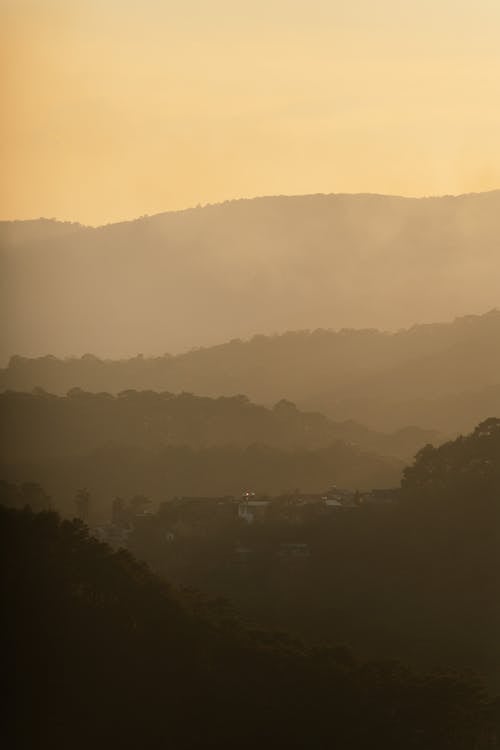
(117, 108)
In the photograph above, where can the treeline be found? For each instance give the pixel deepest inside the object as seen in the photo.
(442, 376)
(41, 423)
(467, 468)
(163, 445)
(99, 652)
(161, 474)
(417, 580)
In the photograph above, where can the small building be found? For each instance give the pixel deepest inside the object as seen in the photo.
(251, 508)
(330, 502)
(339, 499)
(307, 499)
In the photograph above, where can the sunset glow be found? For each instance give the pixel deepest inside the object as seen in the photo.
(117, 109)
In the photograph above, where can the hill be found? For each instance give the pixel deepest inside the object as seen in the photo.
(41, 424)
(163, 445)
(415, 578)
(100, 652)
(437, 376)
(196, 277)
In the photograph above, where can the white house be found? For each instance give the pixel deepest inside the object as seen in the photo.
(251, 509)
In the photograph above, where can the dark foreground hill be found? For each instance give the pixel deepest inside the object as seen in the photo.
(165, 445)
(101, 653)
(442, 376)
(197, 277)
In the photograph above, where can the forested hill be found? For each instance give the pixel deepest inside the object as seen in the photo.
(416, 579)
(229, 270)
(443, 376)
(459, 470)
(163, 445)
(42, 424)
(101, 653)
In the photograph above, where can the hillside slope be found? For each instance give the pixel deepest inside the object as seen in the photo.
(102, 653)
(441, 376)
(195, 277)
(161, 445)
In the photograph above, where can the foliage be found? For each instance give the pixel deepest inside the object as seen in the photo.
(163, 445)
(459, 469)
(416, 580)
(100, 652)
(442, 376)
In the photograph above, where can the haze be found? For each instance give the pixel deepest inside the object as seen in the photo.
(203, 276)
(250, 374)
(116, 109)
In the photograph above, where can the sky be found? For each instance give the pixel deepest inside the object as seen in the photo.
(114, 109)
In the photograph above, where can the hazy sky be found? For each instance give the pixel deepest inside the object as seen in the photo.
(116, 108)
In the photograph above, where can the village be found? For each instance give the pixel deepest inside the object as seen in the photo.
(201, 517)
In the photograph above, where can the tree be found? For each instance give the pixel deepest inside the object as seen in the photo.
(82, 501)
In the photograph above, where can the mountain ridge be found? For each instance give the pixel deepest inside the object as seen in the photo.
(216, 204)
(442, 377)
(195, 277)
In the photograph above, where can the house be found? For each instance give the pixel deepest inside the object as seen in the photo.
(329, 502)
(339, 499)
(307, 499)
(251, 508)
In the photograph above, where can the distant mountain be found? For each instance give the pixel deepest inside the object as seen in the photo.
(195, 277)
(443, 376)
(18, 234)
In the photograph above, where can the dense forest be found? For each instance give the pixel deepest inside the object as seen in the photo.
(100, 652)
(443, 377)
(41, 423)
(163, 445)
(416, 579)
